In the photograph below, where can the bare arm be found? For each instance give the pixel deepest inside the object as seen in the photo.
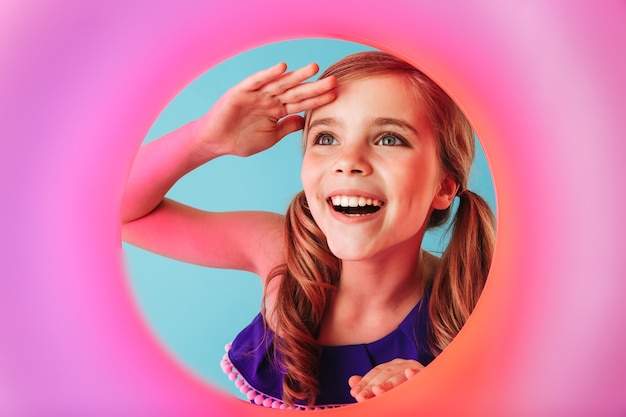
(249, 118)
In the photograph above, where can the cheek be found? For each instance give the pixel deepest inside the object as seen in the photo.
(307, 183)
(309, 187)
(310, 175)
(417, 193)
(425, 176)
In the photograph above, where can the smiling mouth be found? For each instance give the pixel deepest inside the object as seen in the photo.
(355, 205)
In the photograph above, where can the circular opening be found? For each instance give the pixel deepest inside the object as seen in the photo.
(194, 311)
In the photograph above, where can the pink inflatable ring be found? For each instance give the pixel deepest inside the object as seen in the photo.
(543, 84)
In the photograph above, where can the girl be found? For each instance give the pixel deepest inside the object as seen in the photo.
(352, 306)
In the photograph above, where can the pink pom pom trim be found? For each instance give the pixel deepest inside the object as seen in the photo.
(257, 397)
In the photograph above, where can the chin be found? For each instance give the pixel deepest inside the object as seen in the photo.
(349, 254)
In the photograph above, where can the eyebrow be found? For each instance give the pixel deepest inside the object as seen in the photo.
(326, 121)
(379, 121)
(386, 121)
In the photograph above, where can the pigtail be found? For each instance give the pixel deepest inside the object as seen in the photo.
(463, 269)
(308, 279)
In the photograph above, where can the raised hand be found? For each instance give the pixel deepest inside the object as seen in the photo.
(382, 378)
(259, 111)
(249, 118)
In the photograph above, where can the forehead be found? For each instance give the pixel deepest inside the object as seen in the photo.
(381, 96)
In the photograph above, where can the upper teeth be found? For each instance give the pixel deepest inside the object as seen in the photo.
(354, 201)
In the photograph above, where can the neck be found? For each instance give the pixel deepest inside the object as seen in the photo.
(388, 277)
(378, 281)
(373, 298)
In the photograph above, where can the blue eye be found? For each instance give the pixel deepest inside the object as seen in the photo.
(389, 139)
(325, 139)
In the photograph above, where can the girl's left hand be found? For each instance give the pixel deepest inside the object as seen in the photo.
(382, 378)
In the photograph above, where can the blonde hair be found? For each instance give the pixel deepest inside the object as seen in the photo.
(311, 272)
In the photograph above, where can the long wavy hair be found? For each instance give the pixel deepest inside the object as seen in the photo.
(310, 275)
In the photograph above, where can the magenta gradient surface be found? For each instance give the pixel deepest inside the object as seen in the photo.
(543, 83)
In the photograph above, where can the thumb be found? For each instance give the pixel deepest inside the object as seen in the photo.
(289, 125)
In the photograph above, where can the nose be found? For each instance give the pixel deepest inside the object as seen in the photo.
(353, 159)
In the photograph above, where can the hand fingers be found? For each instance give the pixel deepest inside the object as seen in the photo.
(275, 81)
(361, 387)
(311, 103)
(289, 89)
(309, 96)
(356, 389)
(290, 79)
(379, 372)
(381, 383)
(302, 91)
(410, 372)
(384, 377)
(263, 77)
(354, 380)
(387, 384)
(377, 387)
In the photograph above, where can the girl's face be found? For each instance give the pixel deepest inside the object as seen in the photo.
(370, 172)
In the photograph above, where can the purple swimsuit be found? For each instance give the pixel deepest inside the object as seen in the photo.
(248, 360)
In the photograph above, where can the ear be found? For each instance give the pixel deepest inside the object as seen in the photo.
(446, 193)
